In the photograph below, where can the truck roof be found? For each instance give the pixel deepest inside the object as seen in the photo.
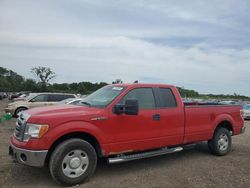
(143, 85)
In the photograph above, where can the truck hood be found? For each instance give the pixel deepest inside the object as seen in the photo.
(61, 113)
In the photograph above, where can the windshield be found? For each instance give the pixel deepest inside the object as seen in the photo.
(246, 107)
(102, 97)
(30, 96)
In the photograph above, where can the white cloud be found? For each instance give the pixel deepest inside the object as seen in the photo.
(203, 45)
(107, 58)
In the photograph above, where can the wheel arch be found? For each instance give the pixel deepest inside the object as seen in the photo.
(224, 123)
(78, 134)
(19, 108)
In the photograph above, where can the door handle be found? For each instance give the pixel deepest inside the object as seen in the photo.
(156, 117)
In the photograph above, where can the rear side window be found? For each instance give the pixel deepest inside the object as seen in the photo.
(59, 97)
(70, 96)
(41, 98)
(144, 96)
(63, 97)
(167, 98)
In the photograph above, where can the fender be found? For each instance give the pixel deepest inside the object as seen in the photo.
(223, 117)
(74, 126)
(21, 106)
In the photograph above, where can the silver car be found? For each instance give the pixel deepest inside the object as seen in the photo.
(36, 100)
(246, 111)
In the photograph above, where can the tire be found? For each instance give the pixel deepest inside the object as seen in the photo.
(18, 110)
(221, 142)
(73, 162)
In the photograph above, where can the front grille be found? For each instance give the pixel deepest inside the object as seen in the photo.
(20, 127)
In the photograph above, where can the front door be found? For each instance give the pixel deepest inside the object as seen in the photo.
(38, 101)
(127, 133)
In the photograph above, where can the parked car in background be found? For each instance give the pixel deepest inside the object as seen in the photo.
(14, 95)
(227, 102)
(71, 101)
(246, 111)
(36, 100)
(3, 95)
(20, 98)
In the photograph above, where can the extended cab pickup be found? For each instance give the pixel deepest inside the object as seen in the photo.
(121, 122)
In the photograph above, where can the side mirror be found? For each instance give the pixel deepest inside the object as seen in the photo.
(118, 109)
(32, 100)
(131, 107)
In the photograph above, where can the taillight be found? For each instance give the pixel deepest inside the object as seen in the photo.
(242, 113)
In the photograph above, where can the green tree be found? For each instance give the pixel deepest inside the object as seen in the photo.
(44, 74)
(30, 85)
(117, 81)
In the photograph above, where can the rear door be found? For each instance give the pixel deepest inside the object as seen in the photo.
(55, 98)
(171, 116)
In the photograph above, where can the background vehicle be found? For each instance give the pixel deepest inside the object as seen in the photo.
(20, 98)
(246, 111)
(70, 101)
(36, 100)
(3, 95)
(122, 122)
(14, 95)
(228, 102)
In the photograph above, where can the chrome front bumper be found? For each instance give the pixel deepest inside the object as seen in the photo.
(28, 157)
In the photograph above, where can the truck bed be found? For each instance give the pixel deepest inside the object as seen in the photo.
(202, 118)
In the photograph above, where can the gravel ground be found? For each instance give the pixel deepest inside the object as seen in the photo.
(190, 168)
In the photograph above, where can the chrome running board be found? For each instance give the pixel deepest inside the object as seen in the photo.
(130, 157)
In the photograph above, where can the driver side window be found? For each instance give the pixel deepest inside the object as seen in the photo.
(144, 96)
(40, 98)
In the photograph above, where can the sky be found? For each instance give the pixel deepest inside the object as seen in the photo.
(201, 45)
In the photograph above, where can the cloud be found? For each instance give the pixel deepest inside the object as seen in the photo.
(198, 45)
(107, 58)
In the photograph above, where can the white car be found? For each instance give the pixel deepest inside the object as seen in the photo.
(70, 101)
(228, 102)
(246, 111)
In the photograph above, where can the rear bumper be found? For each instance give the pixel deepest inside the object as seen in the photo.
(28, 157)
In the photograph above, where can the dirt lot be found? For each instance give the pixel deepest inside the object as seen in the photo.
(189, 168)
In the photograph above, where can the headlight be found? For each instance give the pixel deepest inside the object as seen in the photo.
(34, 131)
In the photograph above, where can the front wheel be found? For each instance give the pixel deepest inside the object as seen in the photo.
(73, 162)
(221, 142)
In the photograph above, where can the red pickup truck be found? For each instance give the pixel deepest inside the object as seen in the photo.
(120, 122)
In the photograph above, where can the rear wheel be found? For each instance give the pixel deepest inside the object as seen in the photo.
(221, 142)
(73, 162)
